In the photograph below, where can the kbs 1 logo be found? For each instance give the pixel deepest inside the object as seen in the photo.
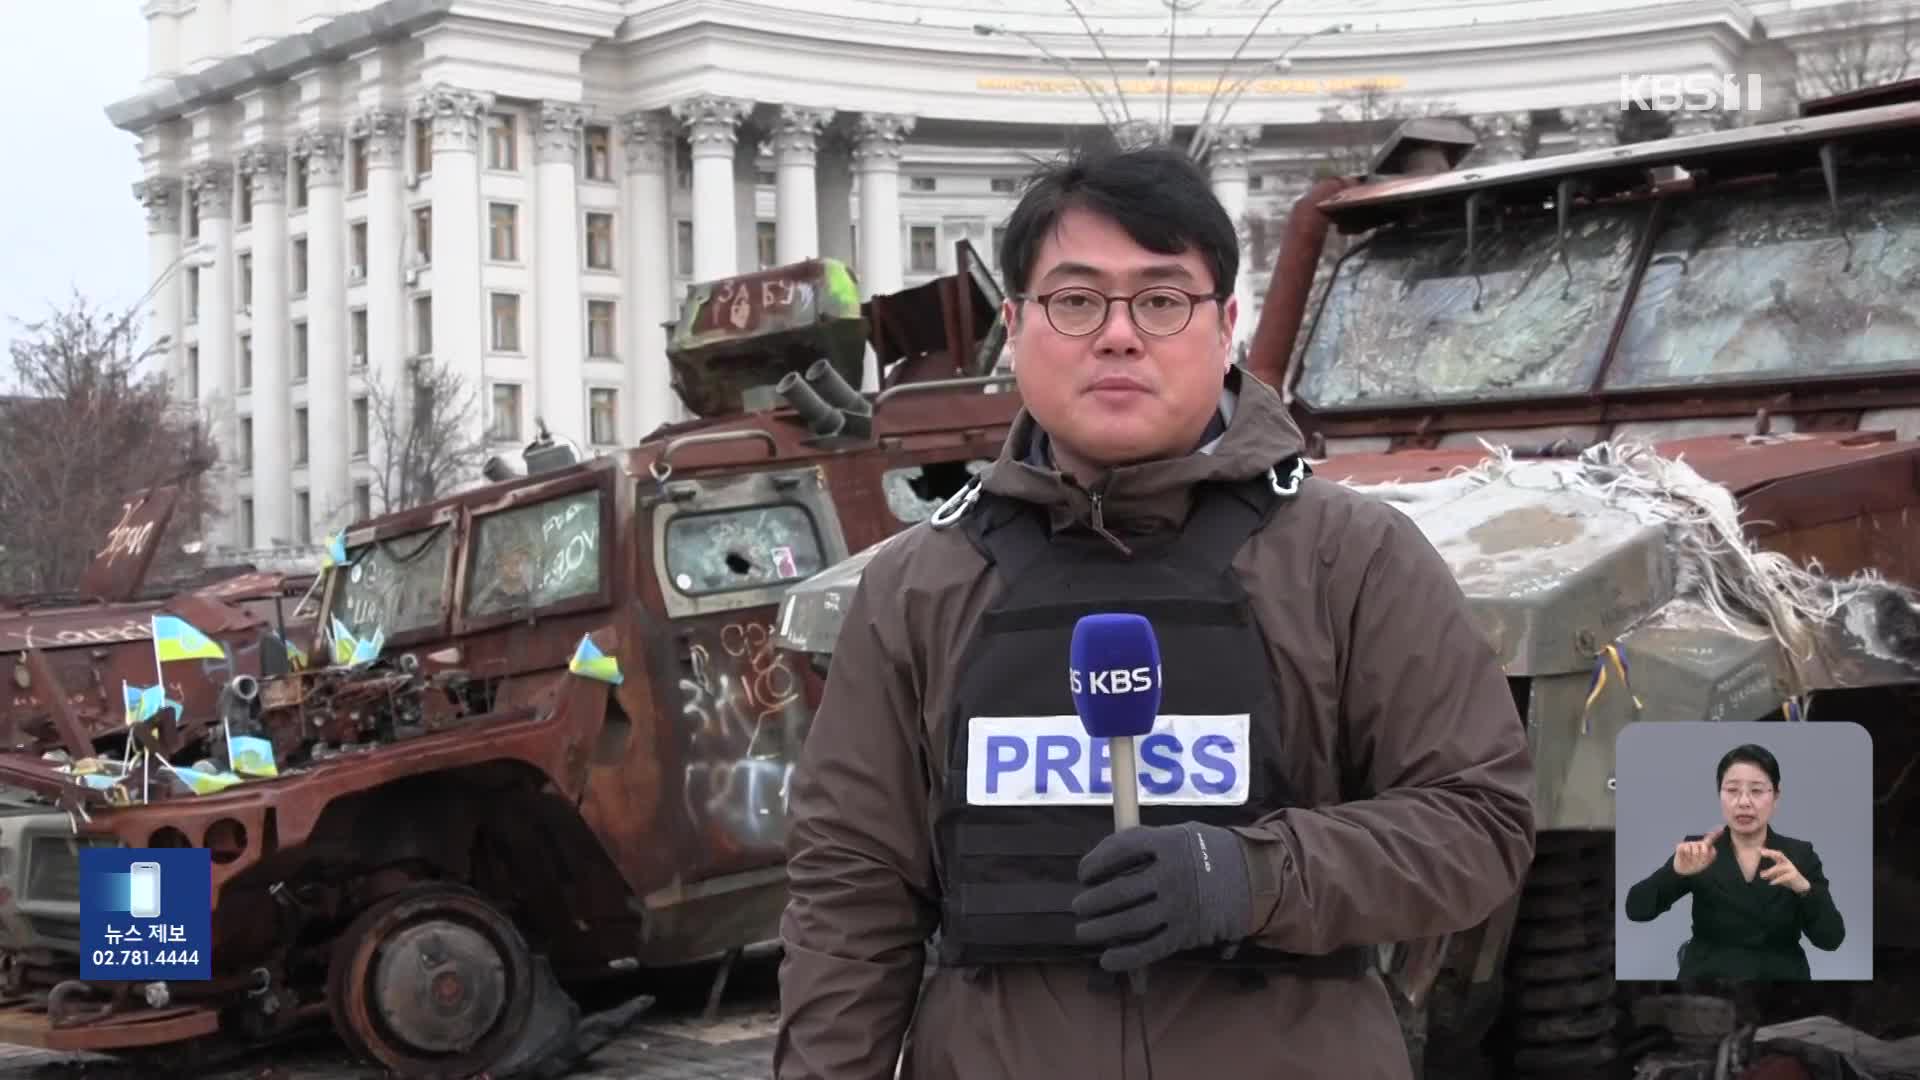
(1116, 681)
(1699, 92)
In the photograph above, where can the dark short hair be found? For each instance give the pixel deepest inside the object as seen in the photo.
(1752, 755)
(1157, 194)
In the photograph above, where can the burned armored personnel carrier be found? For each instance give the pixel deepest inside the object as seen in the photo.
(1658, 405)
(545, 737)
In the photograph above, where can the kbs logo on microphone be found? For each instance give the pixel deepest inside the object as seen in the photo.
(1117, 681)
(1051, 760)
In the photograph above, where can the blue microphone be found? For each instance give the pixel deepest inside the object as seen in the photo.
(1114, 672)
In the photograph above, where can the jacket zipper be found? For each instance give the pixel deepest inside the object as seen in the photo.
(1100, 526)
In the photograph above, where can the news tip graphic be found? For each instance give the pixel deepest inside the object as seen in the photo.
(1803, 792)
(146, 914)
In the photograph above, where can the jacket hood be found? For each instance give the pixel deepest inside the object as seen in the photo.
(1251, 432)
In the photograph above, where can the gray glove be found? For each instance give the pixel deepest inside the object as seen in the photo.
(1154, 891)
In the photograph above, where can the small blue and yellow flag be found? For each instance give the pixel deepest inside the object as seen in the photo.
(335, 552)
(251, 756)
(349, 651)
(173, 639)
(590, 662)
(296, 656)
(202, 781)
(147, 702)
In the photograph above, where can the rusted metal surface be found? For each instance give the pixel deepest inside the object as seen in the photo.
(1271, 351)
(743, 332)
(120, 566)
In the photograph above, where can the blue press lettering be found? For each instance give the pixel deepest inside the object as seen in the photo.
(1185, 760)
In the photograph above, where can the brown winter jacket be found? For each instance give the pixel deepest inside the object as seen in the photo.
(1408, 749)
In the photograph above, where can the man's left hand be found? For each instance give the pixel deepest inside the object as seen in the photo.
(1783, 872)
(1153, 891)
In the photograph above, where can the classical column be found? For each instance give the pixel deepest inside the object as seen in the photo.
(1231, 149)
(651, 402)
(1503, 136)
(560, 359)
(458, 315)
(711, 121)
(212, 186)
(161, 196)
(329, 482)
(876, 156)
(795, 146)
(385, 130)
(1594, 127)
(265, 166)
(833, 181)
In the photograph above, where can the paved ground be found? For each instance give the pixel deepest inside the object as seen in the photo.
(669, 1042)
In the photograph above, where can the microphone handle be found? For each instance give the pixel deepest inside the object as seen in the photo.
(1126, 815)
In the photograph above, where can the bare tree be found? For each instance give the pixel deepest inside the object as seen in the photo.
(429, 436)
(1856, 44)
(86, 432)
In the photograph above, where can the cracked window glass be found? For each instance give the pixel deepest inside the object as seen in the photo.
(535, 556)
(395, 585)
(754, 547)
(1773, 286)
(1401, 323)
(915, 492)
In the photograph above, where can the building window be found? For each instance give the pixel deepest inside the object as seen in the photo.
(302, 517)
(1256, 182)
(423, 325)
(423, 234)
(600, 339)
(506, 322)
(246, 444)
(300, 435)
(360, 427)
(506, 413)
(682, 247)
(193, 214)
(357, 162)
(764, 237)
(357, 268)
(763, 178)
(193, 373)
(357, 335)
(925, 244)
(502, 150)
(193, 295)
(246, 280)
(362, 501)
(1003, 185)
(599, 153)
(243, 203)
(999, 241)
(422, 147)
(921, 183)
(246, 361)
(599, 241)
(503, 244)
(602, 415)
(297, 182)
(682, 164)
(299, 266)
(300, 350)
(246, 523)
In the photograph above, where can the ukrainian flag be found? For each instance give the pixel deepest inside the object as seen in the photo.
(203, 782)
(349, 651)
(146, 702)
(251, 756)
(173, 639)
(336, 551)
(590, 662)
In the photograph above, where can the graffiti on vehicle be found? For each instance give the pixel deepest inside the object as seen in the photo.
(745, 715)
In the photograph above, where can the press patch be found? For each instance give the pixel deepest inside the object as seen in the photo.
(1034, 760)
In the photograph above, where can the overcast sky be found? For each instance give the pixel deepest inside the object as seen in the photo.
(68, 219)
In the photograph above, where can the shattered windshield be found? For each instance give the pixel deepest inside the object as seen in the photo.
(1767, 286)
(741, 549)
(535, 556)
(395, 585)
(1409, 319)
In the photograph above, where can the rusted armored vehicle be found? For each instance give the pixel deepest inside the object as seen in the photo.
(1657, 406)
(545, 738)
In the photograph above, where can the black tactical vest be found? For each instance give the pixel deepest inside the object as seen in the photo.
(1009, 872)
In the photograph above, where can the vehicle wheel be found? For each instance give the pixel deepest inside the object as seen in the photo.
(431, 982)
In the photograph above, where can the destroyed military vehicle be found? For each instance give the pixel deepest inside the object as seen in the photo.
(544, 736)
(1657, 406)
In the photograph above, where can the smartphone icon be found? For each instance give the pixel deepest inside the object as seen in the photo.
(143, 901)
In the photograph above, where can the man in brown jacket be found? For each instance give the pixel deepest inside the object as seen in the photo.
(1338, 762)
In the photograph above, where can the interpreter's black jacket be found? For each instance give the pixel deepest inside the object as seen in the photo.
(1745, 930)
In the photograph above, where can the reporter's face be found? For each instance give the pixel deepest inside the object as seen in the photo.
(1747, 798)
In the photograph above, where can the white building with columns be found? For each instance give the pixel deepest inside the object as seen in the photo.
(524, 189)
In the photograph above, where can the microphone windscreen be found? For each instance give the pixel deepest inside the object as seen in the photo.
(1115, 674)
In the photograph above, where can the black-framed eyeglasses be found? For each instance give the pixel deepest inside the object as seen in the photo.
(1159, 310)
